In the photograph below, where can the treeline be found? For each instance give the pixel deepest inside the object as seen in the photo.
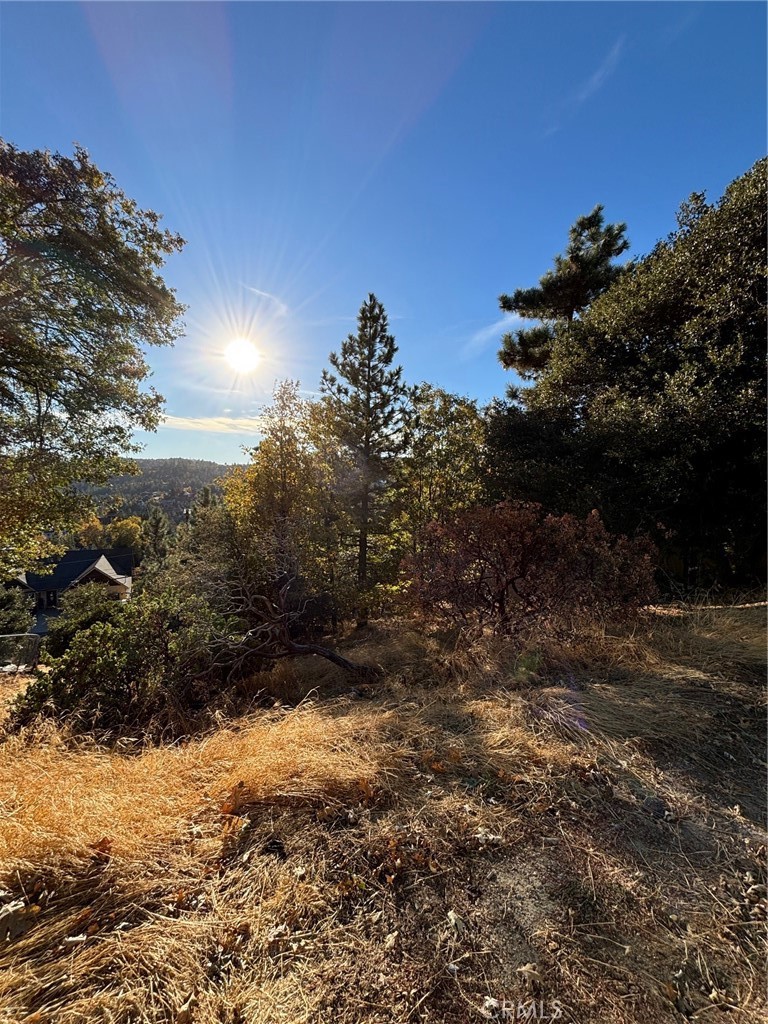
(642, 398)
(630, 455)
(169, 484)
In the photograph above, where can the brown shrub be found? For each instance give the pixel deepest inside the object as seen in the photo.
(515, 565)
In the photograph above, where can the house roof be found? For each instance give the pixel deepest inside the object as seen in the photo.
(116, 563)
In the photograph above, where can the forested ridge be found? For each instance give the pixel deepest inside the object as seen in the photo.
(173, 484)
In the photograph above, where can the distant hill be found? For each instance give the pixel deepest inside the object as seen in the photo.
(173, 484)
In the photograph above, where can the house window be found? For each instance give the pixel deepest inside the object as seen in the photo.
(41, 601)
(50, 599)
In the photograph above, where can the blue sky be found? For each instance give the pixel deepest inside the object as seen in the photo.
(435, 154)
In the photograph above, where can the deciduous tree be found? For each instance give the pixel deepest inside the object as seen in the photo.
(80, 295)
(442, 469)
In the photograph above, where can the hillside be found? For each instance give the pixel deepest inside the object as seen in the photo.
(581, 827)
(172, 484)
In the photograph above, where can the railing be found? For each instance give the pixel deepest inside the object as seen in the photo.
(19, 652)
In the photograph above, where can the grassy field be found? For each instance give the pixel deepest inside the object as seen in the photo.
(581, 826)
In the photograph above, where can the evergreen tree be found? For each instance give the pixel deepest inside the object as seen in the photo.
(15, 610)
(207, 498)
(156, 535)
(365, 396)
(583, 272)
(651, 407)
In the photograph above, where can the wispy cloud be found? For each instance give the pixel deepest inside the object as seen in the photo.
(591, 86)
(281, 309)
(671, 34)
(493, 333)
(214, 424)
(597, 80)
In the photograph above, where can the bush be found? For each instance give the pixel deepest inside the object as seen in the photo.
(16, 610)
(513, 566)
(81, 607)
(152, 659)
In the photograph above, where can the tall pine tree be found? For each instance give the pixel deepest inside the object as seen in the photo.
(583, 272)
(156, 535)
(365, 396)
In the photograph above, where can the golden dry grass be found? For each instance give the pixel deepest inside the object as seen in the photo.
(580, 822)
(60, 797)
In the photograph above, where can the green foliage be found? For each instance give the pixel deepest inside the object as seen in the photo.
(583, 272)
(278, 498)
(172, 484)
(81, 608)
(15, 610)
(365, 399)
(151, 660)
(125, 533)
(442, 468)
(285, 504)
(80, 294)
(156, 535)
(652, 404)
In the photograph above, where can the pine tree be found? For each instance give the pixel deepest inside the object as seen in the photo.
(156, 534)
(365, 396)
(583, 272)
(207, 498)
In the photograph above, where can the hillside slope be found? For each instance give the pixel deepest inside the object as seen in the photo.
(172, 484)
(471, 835)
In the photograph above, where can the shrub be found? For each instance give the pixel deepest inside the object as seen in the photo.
(81, 607)
(514, 565)
(16, 616)
(15, 610)
(152, 658)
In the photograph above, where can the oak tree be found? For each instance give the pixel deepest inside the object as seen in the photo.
(80, 297)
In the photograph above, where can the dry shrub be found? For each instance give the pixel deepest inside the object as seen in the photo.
(515, 567)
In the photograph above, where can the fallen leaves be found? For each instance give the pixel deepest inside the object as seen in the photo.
(531, 976)
(16, 918)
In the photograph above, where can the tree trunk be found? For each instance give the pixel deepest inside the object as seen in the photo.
(362, 560)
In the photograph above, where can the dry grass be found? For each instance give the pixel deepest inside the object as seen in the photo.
(591, 812)
(61, 797)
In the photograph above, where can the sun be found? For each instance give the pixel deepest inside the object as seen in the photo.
(242, 355)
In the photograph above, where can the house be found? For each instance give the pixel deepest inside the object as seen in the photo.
(112, 568)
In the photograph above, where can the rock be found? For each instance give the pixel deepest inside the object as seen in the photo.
(656, 807)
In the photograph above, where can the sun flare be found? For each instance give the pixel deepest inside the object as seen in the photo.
(242, 355)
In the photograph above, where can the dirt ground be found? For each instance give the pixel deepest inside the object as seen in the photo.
(575, 832)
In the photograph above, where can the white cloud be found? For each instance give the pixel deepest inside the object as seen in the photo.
(281, 307)
(598, 79)
(493, 333)
(592, 85)
(214, 424)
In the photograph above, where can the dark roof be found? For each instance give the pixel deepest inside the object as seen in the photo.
(74, 563)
